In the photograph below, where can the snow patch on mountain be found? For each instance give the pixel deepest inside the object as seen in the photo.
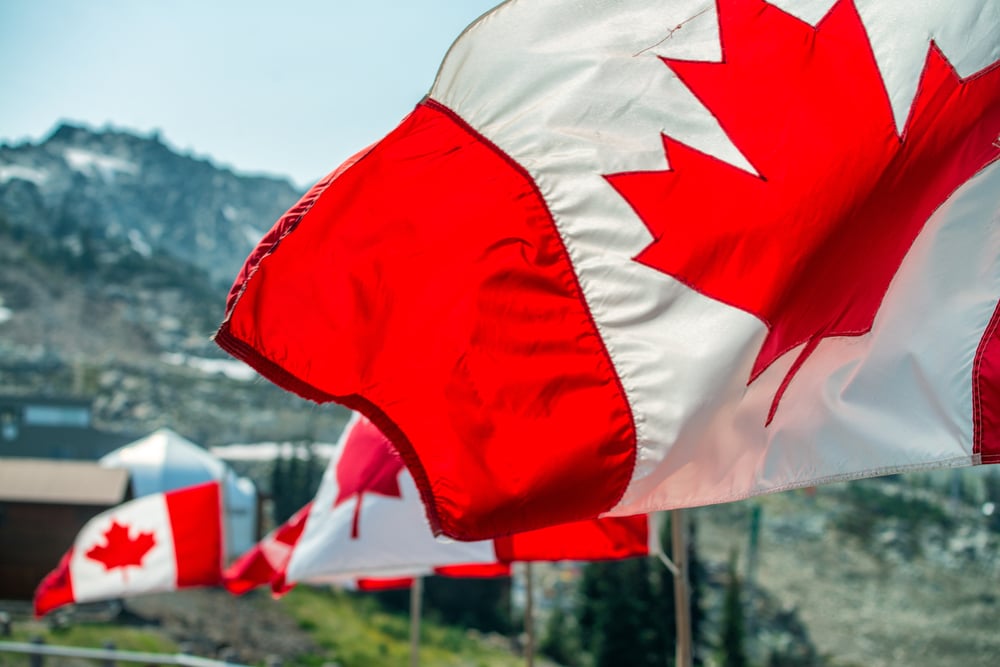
(9, 172)
(96, 164)
(252, 234)
(270, 451)
(231, 368)
(139, 244)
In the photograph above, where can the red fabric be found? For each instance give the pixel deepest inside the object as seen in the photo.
(430, 273)
(375, 584)
(472, 571)
(827, 271)
(368, 464)
(56, 589)
(249, 571)
(475, 570)
(986, 393)
(267, 561)
(195, 520)
(599, 539)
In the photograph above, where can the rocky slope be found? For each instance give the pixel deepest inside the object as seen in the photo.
(881, 572)
(115, 185)
(116, 255)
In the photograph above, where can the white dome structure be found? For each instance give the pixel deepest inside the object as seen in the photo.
(241, 514)
(164, 461)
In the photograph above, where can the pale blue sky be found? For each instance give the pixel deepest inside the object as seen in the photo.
(290, 88)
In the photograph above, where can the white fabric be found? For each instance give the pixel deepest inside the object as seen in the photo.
(897, 398)
(394, 538)
(158, 571)
(164, 461)
(575, 92)
(241, 513)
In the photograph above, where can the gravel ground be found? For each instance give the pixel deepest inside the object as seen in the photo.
(862, 608)
(251, 629)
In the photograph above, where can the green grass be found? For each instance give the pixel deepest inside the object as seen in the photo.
(86, 635)
(352, 631)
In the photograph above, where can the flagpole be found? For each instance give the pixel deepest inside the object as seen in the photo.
(416, 594)
(682, 597)
(529, 615)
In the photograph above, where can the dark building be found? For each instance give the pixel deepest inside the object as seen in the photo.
(52, 428)
(43, 505)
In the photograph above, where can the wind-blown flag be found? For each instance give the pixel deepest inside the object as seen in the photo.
(159, 542)
(366, 526)
(483, 571)
(652, 254)
(267, 564)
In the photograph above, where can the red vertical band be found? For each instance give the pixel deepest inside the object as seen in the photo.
(427, 287)
(986, 393)
(195, 520)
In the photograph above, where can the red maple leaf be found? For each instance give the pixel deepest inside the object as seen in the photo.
(120, 550)
(810, 244)
(368, 464)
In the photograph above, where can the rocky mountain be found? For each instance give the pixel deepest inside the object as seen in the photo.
(891, 571)
(119, 186)
(116, 255)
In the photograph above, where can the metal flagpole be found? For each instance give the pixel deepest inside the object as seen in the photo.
(416, 594)
(682, 595)
(529, 616)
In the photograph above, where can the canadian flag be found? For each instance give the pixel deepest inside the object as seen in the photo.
(267, 564)
(473, 571)
(648, 254)
(366, 528)
(159, 542)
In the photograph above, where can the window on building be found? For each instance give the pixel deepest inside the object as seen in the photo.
(8, 424)
(56, 415)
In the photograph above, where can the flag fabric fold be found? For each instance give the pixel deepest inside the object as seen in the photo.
(366, 527)
(653, 254)
(477, 571)
(266, 564)
(160, 542)
(266, 561)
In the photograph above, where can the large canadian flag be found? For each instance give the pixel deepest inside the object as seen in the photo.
(367, 527)
(648, 254)
(159, 542)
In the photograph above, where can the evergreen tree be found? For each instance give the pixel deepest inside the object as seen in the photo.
(279, 477)
(294, 480)
(625, 613)
(560, 641)
(732, 652)
(293, 483)
(589, 596)
(314, 473)
(483, 604)
(697, 578)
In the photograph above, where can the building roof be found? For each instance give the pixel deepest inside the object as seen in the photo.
(164, 461)
(61, 482)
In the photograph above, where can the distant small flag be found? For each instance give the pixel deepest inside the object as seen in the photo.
(367, 524)
(159, 542)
